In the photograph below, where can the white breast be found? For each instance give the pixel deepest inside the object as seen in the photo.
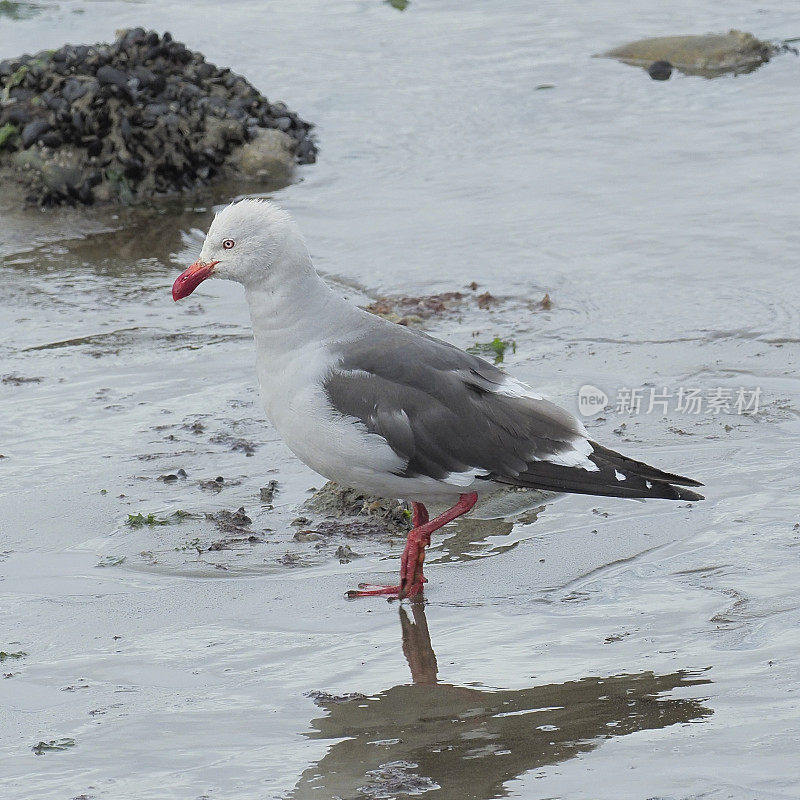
(339, 448)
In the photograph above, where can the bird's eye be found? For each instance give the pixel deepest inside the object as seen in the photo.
(227, 244)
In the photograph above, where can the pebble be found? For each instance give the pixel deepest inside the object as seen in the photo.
(660, 70)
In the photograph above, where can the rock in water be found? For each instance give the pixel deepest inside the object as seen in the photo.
(709, 55)
(141, 117)
(341, 502)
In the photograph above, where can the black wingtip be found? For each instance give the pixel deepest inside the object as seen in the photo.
(639, 468)
(616, 476)
(680, 480)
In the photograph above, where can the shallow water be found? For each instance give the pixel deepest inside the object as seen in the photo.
(594, 648)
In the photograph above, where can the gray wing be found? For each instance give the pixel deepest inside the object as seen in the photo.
(442, 408)
(447, 412)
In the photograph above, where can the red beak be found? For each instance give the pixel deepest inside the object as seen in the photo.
(191, 278)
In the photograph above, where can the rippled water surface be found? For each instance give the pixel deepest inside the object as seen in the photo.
(591, 648)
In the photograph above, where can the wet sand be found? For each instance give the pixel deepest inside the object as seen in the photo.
(591, 648)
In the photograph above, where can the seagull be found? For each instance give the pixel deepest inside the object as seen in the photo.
(391, 411)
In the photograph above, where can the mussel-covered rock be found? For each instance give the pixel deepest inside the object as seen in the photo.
(140, 117)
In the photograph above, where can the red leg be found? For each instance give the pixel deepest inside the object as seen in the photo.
(411, 577)
(419, 517)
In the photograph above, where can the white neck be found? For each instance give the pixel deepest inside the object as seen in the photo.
(294, 306)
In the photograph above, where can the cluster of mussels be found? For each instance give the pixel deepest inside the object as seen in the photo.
(139, 117)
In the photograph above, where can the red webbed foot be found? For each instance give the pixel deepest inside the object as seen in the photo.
(372, 590)
(377, 590)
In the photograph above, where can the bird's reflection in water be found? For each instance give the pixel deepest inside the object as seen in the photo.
(467, 743)
(467, 539)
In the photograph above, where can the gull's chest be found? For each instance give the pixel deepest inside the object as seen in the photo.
(290, 385)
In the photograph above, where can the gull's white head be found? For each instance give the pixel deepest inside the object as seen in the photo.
(245, 243)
